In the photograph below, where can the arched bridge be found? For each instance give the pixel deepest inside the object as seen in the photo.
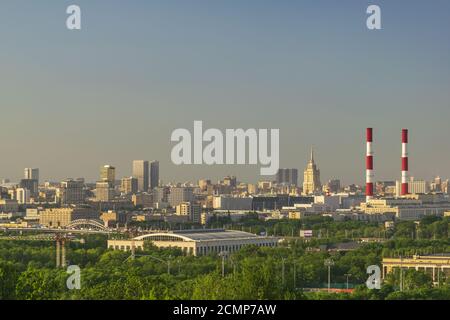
(87, 224)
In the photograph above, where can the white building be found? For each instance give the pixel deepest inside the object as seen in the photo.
(414, 187)
(198, 242)
(412, 207)
(32, 214)
(23, 195)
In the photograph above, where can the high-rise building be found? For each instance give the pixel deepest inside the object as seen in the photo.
(203, 184)
(154, 174)
(161, 195)
(104, 191)
(108, 174)
(311, 177)
(141, 173)
(31, 174)
(180, 194)
(23, 196)
(31, 185)
(193, 210)
(70, 192)
(446, 186)
(437, 184)
(230, 181)
(332, 186)
(252, 189)
(129, 185)
(144, 200)
(287, 177)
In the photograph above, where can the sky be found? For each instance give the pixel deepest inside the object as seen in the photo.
(71, 101)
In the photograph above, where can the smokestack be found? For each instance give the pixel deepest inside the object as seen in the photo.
(369, 164)
(405, 169)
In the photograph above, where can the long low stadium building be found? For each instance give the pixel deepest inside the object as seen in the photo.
(197, 242)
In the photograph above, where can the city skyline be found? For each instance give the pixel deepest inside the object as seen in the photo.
(274, 178)
(115, 91)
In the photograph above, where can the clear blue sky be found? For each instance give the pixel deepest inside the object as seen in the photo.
(114, 91)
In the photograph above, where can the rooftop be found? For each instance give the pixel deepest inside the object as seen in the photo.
(203, 235)
(213, 234)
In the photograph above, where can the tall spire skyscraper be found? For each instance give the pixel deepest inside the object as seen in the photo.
(311, 177)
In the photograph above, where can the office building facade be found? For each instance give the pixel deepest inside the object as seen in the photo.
(108, 174)
(141, 173)
(154, 174)
(129, 185)
(287, 177)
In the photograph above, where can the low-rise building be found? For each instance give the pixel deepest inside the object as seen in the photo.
(144, 200)
(61, 217)
(8, 206)
(126, 245)
(411, 207)
(32, 214)
(437, 266)
(111, 218)
(200, 242)
(232, 203)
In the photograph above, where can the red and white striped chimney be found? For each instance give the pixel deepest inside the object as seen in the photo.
(405, 169)
(369, 164)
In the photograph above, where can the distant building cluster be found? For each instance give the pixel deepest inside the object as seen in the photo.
(143, 197)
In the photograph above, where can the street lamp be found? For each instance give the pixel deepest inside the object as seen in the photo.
(223, 254)
(168, 264)
(233, 263)
(348, 275)
(328, 263)
(401, 273)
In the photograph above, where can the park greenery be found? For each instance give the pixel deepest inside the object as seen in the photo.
(289, 271)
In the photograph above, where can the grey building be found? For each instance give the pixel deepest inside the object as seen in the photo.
(180, 194)
(141, 173)
(31, 174)
(154, 174)
(71, 192)
(287, 177)
(31, 185)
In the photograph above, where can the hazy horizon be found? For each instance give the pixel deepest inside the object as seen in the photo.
(72, 101)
